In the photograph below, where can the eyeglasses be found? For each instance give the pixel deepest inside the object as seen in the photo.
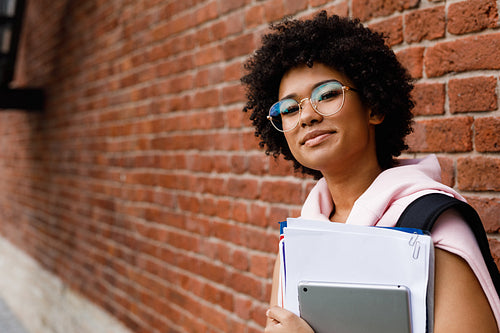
(327, 99)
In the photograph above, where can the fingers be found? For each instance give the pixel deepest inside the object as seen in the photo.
(281, 320)
(279, 315)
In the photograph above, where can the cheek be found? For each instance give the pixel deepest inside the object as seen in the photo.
(288, 137)
(292, 141)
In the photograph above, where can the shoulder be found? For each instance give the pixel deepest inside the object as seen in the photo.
(462, 292)
(460, 302)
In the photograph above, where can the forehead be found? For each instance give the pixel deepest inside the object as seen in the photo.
(299, 81)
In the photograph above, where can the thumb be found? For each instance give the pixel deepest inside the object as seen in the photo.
(279, 314)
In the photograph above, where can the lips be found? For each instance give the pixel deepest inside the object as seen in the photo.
(316, 137)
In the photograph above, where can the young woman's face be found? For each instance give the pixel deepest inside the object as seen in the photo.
(329, 143)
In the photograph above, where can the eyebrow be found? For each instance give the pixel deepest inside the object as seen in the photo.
(316, 85)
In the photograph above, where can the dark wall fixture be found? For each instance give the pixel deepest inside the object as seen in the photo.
(11, 17)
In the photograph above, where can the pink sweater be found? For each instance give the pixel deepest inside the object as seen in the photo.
(390, 193)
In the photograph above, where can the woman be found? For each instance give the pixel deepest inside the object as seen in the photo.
(329, 95)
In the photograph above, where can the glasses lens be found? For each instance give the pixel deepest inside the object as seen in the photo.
(328, 98)
(284, 114)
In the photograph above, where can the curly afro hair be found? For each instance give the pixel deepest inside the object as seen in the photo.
(347, 46)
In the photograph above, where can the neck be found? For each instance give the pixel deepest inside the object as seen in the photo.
(346, 187)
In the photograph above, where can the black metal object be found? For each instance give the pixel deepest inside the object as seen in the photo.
(21, 98)
(11, 17)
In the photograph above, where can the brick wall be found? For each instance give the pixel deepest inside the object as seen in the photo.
(141, 185)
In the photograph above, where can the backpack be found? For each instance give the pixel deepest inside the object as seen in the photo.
(424, 211)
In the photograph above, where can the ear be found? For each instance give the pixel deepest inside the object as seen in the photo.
(375, 118)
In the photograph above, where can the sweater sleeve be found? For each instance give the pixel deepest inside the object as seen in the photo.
(451, 233)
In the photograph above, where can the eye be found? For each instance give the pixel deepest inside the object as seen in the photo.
(288, 107)
(327, 92)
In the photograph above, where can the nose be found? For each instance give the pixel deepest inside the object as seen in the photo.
(308, 114)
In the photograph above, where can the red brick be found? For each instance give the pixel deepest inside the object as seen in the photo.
(429, 98)
(239, 212)
(487, 134)
(478, 173)
(472, 94)
(227, 6)
(244, 188)
(208, 76)
(465, 54)
(442, 135)
(246, 285)
(175, 85)
(205, 99)
(273, 10)
(424, 24)
(178, 65)
(240, 260)
(495, 250)
(471, 16)
(207, 12)
(234, 118)
(488, 209)
(230, 25)
(227, 141)
(222, 297)
(392, 29)
(242, 307)
(238, 46)
(208, 55)
(232, 94)
(257, 215)
(262, 265)
(254, 16)
(280, 167)
(233, 72)
(294, 6)
(258, 240)
(180, 23)
(447, 171)
(412, 60)
(237, 164)
(258, 164)
(216, 319)
(250, 141)
(367, 9)
(282, 192)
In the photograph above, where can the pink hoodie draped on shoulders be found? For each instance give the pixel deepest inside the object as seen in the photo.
(387, 197)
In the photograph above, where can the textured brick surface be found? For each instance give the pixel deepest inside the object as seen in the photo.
(442, 135)
(487, 134)
(470, 16)
(391, 29)
(412, 60)
(478, 174)
(473, 94)
(429, 98)
(142, 186)
(466, 54)
(367, 9)
(424, 24)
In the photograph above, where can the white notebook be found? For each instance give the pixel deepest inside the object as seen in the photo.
(334, 252)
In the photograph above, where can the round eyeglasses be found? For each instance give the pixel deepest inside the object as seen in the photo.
(326, 99)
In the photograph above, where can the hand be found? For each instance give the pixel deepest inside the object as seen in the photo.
(281, 320)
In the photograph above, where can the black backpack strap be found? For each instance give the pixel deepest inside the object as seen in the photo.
(424, 211)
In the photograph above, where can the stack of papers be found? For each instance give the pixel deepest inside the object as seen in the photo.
(335, 252)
